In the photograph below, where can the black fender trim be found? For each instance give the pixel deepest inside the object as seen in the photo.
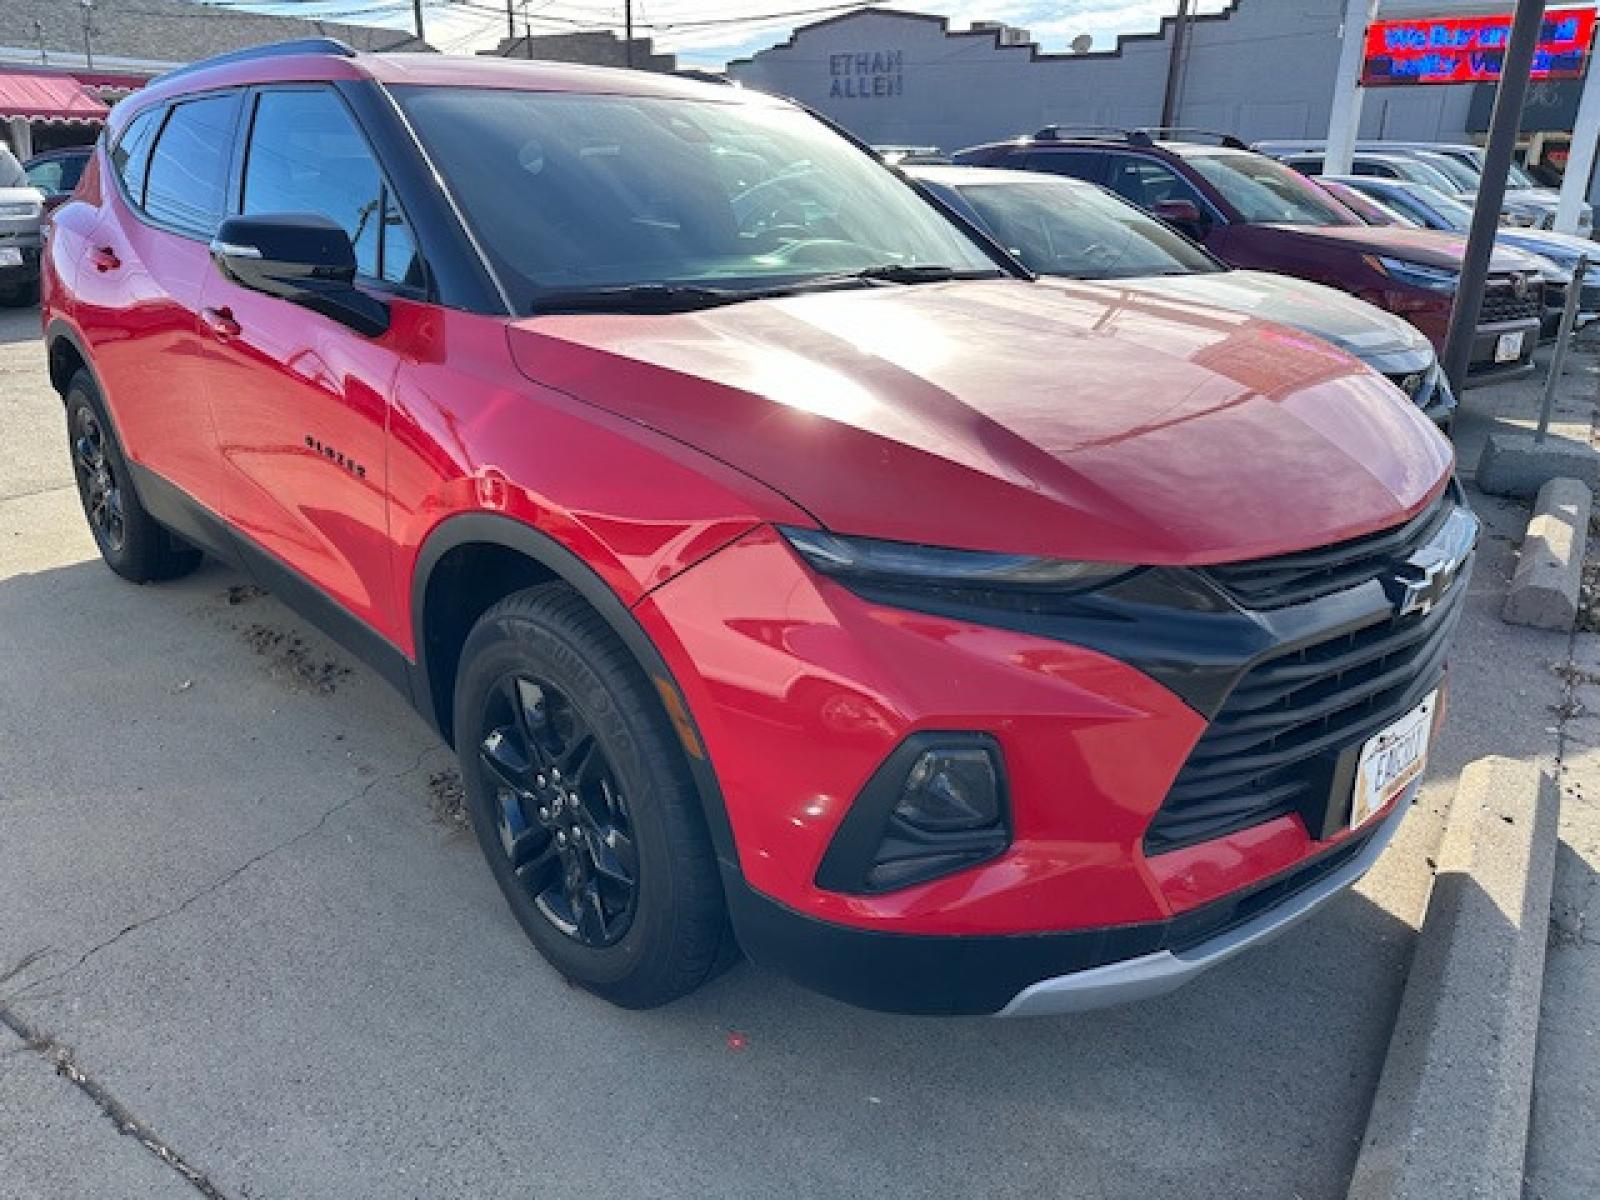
(494, 529)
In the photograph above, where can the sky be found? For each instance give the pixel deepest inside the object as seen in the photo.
(463, 26)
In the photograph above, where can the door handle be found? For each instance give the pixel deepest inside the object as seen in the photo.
(220, 322)
(104, 259)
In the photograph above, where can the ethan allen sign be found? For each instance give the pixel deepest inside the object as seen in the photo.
(869, 75)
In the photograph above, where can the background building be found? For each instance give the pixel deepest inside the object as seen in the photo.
(55, 54)
(599, 48)
(1258, 69)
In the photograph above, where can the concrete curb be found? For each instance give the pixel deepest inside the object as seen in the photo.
(1545, 588)
(1450, 1117)
(1513, 464)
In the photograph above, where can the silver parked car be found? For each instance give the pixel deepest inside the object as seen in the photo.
(21, 212)
(1065, 227)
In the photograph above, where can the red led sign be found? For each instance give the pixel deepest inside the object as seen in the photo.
(1471, 49)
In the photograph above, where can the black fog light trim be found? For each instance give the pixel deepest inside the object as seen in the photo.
(879, 848)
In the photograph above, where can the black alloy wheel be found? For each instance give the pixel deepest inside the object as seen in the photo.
(98, 485)
(563, 821)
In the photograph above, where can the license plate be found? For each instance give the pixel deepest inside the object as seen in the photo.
(10, 256)
(1391, 761)
(1508, 347)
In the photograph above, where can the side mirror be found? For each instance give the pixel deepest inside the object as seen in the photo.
(1183, 213)
(302, 258)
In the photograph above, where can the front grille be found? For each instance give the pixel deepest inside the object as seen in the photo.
(1295, 578)
(1500, 302)
(1273, 747)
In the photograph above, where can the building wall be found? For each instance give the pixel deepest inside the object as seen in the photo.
(598, 48)
(1260, 69)
(164, 31)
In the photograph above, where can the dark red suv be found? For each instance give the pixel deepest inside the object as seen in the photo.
(779, 559)
(1255, 213)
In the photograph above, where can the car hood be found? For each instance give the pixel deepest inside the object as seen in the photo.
(1083, 421)
(1381, 340)
(1562, 247)
(1434, 247)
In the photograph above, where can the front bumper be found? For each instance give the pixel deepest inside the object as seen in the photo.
(26, 248)
(1045, 974)
(1483, 366)
(1179, 748)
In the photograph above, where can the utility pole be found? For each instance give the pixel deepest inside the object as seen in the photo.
(88, 33)
(627, 43)
(1344, 118)
(1169, 102)
(511, 22)
(416, 10)
(38, 36)
(1509, 94)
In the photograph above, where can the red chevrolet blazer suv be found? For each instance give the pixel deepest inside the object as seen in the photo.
(787, 569)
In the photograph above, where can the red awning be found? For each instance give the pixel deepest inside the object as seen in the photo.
(47, 98)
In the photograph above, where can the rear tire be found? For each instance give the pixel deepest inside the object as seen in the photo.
(132, 542)
(583, 803)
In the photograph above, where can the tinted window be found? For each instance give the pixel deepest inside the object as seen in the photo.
(1377, 169)
(1080, 164)
(306, 155)
(188, 180)
(56, 175)
(1146, 182)
(132, 154)
(588, 194)
(1059, 228)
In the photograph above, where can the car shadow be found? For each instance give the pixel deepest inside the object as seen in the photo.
(19, 323)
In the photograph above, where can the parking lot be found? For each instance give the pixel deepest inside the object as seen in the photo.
(239, 901)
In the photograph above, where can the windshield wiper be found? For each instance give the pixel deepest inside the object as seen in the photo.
(638, 298)
(923, 273)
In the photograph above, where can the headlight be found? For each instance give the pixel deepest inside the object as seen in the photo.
(869, 560)
(1415, 274)
(20, 208)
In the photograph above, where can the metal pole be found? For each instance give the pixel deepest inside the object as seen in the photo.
(88, 34)
(627, 43)
(511, 22)
(1558, 358)
(1344, 118)
(1580, 154)
(1503, 127)
(1169, 103)
(416, 11)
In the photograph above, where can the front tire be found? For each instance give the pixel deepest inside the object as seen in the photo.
(131, 541)
(583, 803)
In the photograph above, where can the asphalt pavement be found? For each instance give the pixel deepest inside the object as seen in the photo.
(237, 909)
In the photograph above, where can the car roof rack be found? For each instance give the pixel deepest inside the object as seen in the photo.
(1057, 133)
(1182, 133)
(310, 45)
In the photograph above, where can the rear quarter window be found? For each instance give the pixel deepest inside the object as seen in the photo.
(131, 156)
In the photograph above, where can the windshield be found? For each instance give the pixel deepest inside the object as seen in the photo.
(570, 192)
(1370, 210)
(1457, 172)
(1059, 228)
(1453, 215)
(1518, 178)
(1267, 192)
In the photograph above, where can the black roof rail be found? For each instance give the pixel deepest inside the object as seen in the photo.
(1181, 133)
(310, 45)
(1056, 133)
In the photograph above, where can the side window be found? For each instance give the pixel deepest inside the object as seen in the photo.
(1146, 182)
(187, 185)
(46, 176)
(1379, 170)
(1307, 166)
(306, 155)
(1079, 164)
(132, 154)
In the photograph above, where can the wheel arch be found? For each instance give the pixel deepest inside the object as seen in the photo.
(522, 556)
